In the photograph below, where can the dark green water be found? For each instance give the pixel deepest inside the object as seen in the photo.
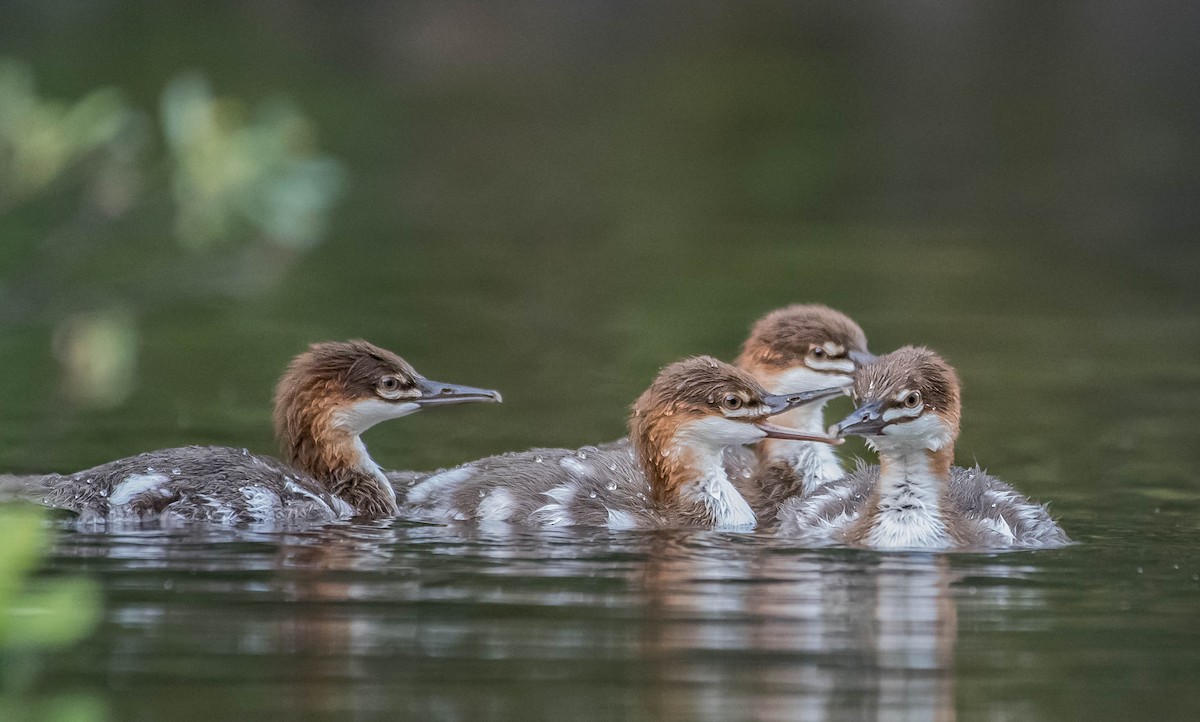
(555, 202)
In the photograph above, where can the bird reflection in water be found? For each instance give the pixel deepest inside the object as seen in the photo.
(788, 635)
(460, 623)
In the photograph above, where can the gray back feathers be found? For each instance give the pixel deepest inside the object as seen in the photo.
(990, 513)
(189, 484)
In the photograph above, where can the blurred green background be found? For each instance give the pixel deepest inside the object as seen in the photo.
(555, 199)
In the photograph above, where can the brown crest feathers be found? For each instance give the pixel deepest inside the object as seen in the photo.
(784, 336)
(317, 383)
(912, 368)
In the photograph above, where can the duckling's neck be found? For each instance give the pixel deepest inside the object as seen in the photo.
(815, 464)
(337, 458)
(712, 489)
(909, 508)
(689, 474)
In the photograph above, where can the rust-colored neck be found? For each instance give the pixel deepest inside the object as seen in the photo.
(313, 442)
(667, 468)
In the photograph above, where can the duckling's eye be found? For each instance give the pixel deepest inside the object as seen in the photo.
(913, 400)
(389, 384)
(733, 402)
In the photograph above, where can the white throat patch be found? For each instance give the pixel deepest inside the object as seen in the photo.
(910, 515)
(928, 432)
(715, 433)
(798, 379)
(357, 417)
(816, 463)
(702, 441)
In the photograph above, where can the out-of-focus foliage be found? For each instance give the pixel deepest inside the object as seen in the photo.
(234, 168)
(41, 139)
(237, 174)
(42, 615)
(246, 188)
(97, 352)
(38, 616)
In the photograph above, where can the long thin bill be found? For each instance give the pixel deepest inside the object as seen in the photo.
(779, 432)
(436, 393)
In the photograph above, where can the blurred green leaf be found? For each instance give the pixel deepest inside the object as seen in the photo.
(236, 171)
(65, 708)
(40, 139)
(37, 616)
(55, 614)
(37, 613)
(22, 539)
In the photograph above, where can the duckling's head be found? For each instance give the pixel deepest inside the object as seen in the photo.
(697, 407)
(907, 399)
(804, 347)
(334, 391)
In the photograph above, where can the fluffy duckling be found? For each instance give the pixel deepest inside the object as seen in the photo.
(909, 411)
(672, 475)
(326, 399)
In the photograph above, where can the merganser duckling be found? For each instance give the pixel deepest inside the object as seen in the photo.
(799, 348)
(802, 347)
(326, 399)
(679, 429)
(909, 412)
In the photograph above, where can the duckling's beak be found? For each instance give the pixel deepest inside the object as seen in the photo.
(862, 358)
(436, 393)
(778, 403)
(866, 420)
(778, 432)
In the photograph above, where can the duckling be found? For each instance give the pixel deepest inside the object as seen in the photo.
(795, 349)
(672, 475)
(326, 399)
(802, 347)
(909, 411)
